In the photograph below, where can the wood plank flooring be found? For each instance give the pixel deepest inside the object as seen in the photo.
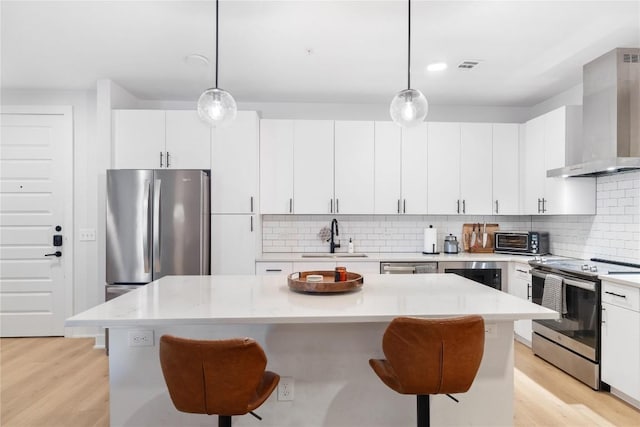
(63, 382)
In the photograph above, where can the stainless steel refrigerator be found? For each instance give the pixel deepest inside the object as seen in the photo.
(158, 224)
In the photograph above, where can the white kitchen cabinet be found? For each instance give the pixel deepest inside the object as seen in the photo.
(276, 166)
(387, 169)
(546, 138)
(314, 266)
(234, 166)
(233, 244)
(620, 353)
(414, 170)
(505, 181)
(476, 167)
(520, 286)
(354, 167)
(360, 267)
(154, 139)
(268, 268)
(444, 169)
(313, 167)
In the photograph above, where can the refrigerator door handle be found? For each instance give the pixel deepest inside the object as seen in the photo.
(157, 249)
(146, 242)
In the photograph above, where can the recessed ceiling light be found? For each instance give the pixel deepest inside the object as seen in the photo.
(196, 59)
(437, 66)
(469, 64)
(611, 168)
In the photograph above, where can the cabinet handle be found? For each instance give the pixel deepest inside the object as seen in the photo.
(398, 205)
(168, 159)
(290, 205)
(161, 159)
(528, 292)
(331, 209)
(616, 295)
(544, 205)
(496, 206)
(602, 315)
(251, 227)
(458, 208)
(273, 270)
(337, 205)
(539, 200)
(251, 204)
(404, 206)
(522, 271)
(464, 206)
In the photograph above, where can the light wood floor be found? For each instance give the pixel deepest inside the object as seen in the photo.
(58, 382)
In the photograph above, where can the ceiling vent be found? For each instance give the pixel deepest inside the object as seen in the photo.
(469, 64)
(631, 58)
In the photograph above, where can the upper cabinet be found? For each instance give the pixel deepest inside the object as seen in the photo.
(387, 154)
(506, 172)
(476, 168)
(443, 168)
(276, 166)
(154, 139)
(414, 168)
(544, 148)
(234, 166)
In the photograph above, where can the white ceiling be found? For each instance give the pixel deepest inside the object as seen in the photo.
(530, 50)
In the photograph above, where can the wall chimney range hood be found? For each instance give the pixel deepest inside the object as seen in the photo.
(610, 140)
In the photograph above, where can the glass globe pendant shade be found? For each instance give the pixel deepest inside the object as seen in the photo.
(409, 108)
(217, 107)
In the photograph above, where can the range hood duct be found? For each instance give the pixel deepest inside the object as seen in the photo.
(610, 115)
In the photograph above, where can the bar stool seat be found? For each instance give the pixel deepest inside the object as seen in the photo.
(430, 356)
(216, 377)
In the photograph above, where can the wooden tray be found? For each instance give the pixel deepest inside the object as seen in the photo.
(467, 230)
(298, 282)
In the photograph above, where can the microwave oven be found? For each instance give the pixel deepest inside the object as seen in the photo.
(525, 242)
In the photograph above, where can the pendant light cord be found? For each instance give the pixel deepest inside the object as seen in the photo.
(216, 44)
(408, 49)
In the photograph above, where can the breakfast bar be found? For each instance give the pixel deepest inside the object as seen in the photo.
(321, 341)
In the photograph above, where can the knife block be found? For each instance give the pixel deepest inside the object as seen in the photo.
(467, 231)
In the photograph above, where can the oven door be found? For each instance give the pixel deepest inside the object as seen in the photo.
(578, 329)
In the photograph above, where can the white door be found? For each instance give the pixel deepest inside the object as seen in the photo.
(353, 165)
(414, 170)
(533, 170)
(35, 198)
(506, 188)
(444, 169)
(139, 139)
(387, 168)
(233, 244)
(188, 141)
(476, 168)
(276, 166)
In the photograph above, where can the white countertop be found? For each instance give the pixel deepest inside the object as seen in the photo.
(182, 300)
(393, 256)
(623, 279)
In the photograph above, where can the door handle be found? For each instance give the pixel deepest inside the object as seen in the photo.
(496, 206)
(404, 206)
(458, 208)
(337, 205)
(56, 254)
(157, 232)
(398, 205)
(464, 206)
(161, 159)
(168, 159)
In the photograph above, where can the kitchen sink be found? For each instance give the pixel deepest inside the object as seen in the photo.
(322, 255)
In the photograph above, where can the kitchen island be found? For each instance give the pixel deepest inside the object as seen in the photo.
(323, 342)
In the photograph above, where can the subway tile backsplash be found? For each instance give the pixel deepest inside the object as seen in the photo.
(614, 232)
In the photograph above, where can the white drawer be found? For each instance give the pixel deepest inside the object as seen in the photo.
(268, 268)
(621, 295)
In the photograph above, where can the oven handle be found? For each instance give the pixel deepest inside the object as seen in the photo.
(388, 268)
(588, 286)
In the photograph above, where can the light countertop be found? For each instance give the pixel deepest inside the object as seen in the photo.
(393, 256)
(623, 279)
(190, 300)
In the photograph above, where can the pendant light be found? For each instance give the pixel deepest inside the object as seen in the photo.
(409, 107)
(216, 106)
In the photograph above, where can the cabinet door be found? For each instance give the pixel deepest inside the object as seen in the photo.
(414, 176)
(520, 286)
(353, 167)
(387, 171)
(506, 189)
(264, 268)
(313, 167)
(476, 164)
(233, 244)
(533, 170)
(444, 168)
(621, 349)
(139, 139)
(234, 165)
(188, 142)
(276, 166)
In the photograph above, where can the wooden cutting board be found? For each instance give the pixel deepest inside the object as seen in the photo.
(467, 232)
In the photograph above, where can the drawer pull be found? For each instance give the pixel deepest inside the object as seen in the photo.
(615, 295)
(522, 271)
(273, 270)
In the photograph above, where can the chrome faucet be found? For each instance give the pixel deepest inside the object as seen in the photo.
(332, 244)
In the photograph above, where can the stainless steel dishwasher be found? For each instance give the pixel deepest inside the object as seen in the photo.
(419, 267)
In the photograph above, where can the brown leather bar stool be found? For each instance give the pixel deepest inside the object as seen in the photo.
(430, 356)
(216, 377)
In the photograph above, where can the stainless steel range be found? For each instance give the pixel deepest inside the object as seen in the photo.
(572, 342)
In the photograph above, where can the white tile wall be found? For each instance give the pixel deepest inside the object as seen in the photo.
(614, 232)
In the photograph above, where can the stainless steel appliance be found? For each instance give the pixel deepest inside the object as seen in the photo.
(521, 242)
(450, 245)
(420, 267)
(489, 273)
(158, 224)
(572, 343)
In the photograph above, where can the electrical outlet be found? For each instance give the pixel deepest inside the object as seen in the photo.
(491, 330)
(285, 389)
(140, 338)
(87, 234)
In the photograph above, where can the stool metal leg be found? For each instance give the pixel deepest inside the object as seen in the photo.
(424, 418)
(224, 421)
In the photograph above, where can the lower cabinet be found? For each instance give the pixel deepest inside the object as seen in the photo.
(520, 286)
(233, 244)
(268, 268)
(620, 354)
